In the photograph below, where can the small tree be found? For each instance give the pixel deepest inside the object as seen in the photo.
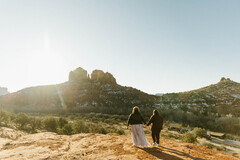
(50, 124)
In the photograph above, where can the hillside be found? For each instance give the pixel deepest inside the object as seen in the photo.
(17, 145)
(222, 98)
(99, 93)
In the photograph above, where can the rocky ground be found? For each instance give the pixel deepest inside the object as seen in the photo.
(16, 145)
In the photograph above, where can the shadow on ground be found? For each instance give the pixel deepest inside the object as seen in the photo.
(163, 153)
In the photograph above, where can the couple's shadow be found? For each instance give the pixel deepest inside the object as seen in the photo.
(160, 152)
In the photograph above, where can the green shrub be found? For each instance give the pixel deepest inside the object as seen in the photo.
(99, 129)
(189, 138)
(4, 118)
(35, 123)
(79, 126)
(212, 146)
(62, 122)
(120, 131)
(108, 121)
(22, 119)
(50, 124)
(123, 117)
(67, 129)
(209, 145)
(199, 132)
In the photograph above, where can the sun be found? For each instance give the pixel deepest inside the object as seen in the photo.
(45, 66)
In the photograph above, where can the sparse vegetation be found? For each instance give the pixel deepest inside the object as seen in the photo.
(50, 124)
(73, 124)
(22, 119)
(189, 138)
(79, 126)
(199, 132)
(212, 146)
(67, 129)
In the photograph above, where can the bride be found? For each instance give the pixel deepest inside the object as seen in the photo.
(138, 136)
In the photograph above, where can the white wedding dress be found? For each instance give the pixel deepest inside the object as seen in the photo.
(138, 136)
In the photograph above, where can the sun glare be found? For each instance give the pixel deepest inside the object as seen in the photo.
(46, 66)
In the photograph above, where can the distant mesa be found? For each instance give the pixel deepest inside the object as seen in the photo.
(80, 74)
(3, 91)
(224, 79)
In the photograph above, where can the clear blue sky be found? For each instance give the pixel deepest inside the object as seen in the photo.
(156, 46)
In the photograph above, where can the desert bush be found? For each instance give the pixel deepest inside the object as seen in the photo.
(95, 119)
(22, 119)
(50, 124)
(99, 129)
(4, 118)
(189, 138)
(35, 123)
(209, 145)
(79, 126)
(109, 121)
(62, 122)
(118, 131)
(212, 146)
(222, 124)
(199, 132)
(123, 117)
(67, 129)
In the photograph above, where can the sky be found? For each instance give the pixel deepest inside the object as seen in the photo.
(156, 46)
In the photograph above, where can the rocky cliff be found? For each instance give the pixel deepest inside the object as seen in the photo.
(99, 93)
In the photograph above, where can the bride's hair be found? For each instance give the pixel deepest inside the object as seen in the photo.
(135, 110)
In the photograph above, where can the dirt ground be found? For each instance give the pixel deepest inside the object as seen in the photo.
(15, 145)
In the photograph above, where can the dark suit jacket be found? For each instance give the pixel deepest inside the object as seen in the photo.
(156, 121)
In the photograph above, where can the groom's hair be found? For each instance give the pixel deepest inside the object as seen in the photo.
(135, 110)
(155, 112)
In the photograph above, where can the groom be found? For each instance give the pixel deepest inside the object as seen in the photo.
(157, 125)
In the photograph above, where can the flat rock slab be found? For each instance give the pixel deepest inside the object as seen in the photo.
(48, 146)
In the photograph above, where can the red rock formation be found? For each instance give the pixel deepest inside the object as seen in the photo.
(99, 75)
(78, 74)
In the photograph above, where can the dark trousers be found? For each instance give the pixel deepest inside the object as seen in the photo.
(155, 135)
